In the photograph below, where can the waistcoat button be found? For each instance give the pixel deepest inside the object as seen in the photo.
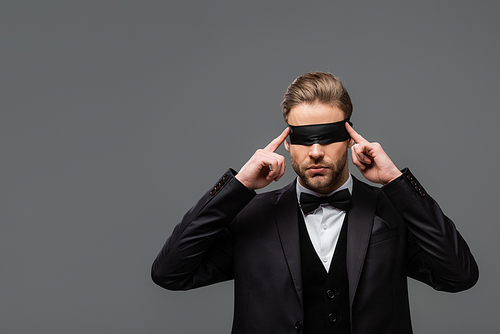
(298, 326)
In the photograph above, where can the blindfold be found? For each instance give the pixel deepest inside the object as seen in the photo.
(318, 133)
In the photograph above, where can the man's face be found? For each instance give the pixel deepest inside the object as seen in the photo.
(321, 167)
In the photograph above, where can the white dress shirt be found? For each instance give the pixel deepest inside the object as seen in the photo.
(324, 224)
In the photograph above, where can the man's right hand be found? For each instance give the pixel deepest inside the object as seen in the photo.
(264, 166)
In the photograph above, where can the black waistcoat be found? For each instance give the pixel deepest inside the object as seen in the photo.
(326, 295)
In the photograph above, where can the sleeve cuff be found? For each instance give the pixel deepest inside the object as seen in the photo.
(405, 183)
(229, 180)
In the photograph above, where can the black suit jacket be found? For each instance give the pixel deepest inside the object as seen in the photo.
(393, 232)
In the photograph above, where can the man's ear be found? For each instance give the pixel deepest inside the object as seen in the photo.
(350, 143)
(287, 145)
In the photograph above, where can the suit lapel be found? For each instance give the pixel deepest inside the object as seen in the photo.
(360, 221)
(285, 208)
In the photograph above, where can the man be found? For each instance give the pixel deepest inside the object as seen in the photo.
(327, 253)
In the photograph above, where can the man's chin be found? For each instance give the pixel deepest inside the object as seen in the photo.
(318, 182)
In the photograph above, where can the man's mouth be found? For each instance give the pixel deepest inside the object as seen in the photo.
(316, 169)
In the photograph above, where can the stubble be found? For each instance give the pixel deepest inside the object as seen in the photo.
(326, 180)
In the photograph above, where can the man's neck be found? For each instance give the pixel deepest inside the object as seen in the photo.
(347, 184)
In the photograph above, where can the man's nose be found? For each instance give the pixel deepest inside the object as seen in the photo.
(316, 151)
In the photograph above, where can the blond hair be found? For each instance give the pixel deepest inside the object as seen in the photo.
(316, 87)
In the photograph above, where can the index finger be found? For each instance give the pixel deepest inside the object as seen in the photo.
(273, 146)
(354, 135)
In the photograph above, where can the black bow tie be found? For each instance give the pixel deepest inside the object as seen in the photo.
(340, 200)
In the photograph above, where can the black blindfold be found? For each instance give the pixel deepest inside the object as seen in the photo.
(318, 133)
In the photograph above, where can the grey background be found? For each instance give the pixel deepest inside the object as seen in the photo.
(116, 116)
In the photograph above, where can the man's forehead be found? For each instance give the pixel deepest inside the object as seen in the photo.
(316, 113)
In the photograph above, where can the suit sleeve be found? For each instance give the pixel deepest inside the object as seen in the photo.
(437, 253)
(200, 250)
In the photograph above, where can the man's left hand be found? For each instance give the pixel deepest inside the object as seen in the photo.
(371, 159)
